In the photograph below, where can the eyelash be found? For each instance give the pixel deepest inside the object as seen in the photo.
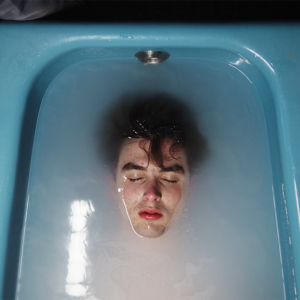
(133, 180)
(170, 181)
(137, 179)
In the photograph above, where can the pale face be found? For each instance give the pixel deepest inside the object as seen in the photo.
(151, 195)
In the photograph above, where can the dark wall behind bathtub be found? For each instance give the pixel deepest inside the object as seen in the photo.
(151, 11)
(179, 11)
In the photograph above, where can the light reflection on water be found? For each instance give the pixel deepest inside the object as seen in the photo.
(80, 211)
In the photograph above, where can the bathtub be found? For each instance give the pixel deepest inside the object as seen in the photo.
(33, 54)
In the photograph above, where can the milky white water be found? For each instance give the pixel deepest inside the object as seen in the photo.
(76, 244)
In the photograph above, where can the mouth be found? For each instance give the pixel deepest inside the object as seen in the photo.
(150, 214)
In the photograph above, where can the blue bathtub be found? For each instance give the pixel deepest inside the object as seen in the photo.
(33, 54)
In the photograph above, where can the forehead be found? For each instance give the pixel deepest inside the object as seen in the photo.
(131, 151)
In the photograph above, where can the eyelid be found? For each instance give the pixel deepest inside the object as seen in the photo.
(170, 181)
(135, 179)
(134, 173)
(171, 177)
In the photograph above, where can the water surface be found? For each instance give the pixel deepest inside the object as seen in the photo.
(225, 244)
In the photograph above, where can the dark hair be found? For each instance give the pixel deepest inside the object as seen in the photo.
(151, 118)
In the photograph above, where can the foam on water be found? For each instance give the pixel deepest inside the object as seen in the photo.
(76, 243)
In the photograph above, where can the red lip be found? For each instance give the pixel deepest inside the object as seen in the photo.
(150, 214)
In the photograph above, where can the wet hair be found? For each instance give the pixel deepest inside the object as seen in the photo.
(154, 118)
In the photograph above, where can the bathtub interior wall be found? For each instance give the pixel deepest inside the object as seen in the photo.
(230, 224)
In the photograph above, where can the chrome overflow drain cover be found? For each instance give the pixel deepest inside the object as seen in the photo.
(152, 57)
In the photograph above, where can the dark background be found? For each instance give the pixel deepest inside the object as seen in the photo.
(179, 11)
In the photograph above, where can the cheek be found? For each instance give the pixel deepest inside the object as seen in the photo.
(173, 196)
(132, 195)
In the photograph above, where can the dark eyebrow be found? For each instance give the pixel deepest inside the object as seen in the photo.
(174, 168)
(131, 166)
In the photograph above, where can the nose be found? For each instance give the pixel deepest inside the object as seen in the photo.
(152, 192)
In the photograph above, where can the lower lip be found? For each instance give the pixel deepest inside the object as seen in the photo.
(150, 217)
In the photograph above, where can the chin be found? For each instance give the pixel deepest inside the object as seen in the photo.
(152, 232)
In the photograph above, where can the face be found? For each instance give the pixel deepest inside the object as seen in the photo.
(151, 195)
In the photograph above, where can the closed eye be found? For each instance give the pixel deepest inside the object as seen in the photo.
(170, 181)
(135, 179)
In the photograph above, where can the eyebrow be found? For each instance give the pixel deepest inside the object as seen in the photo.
(131, 166)
(174, 168)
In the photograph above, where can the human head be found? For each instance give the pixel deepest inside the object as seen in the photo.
(151, 145)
